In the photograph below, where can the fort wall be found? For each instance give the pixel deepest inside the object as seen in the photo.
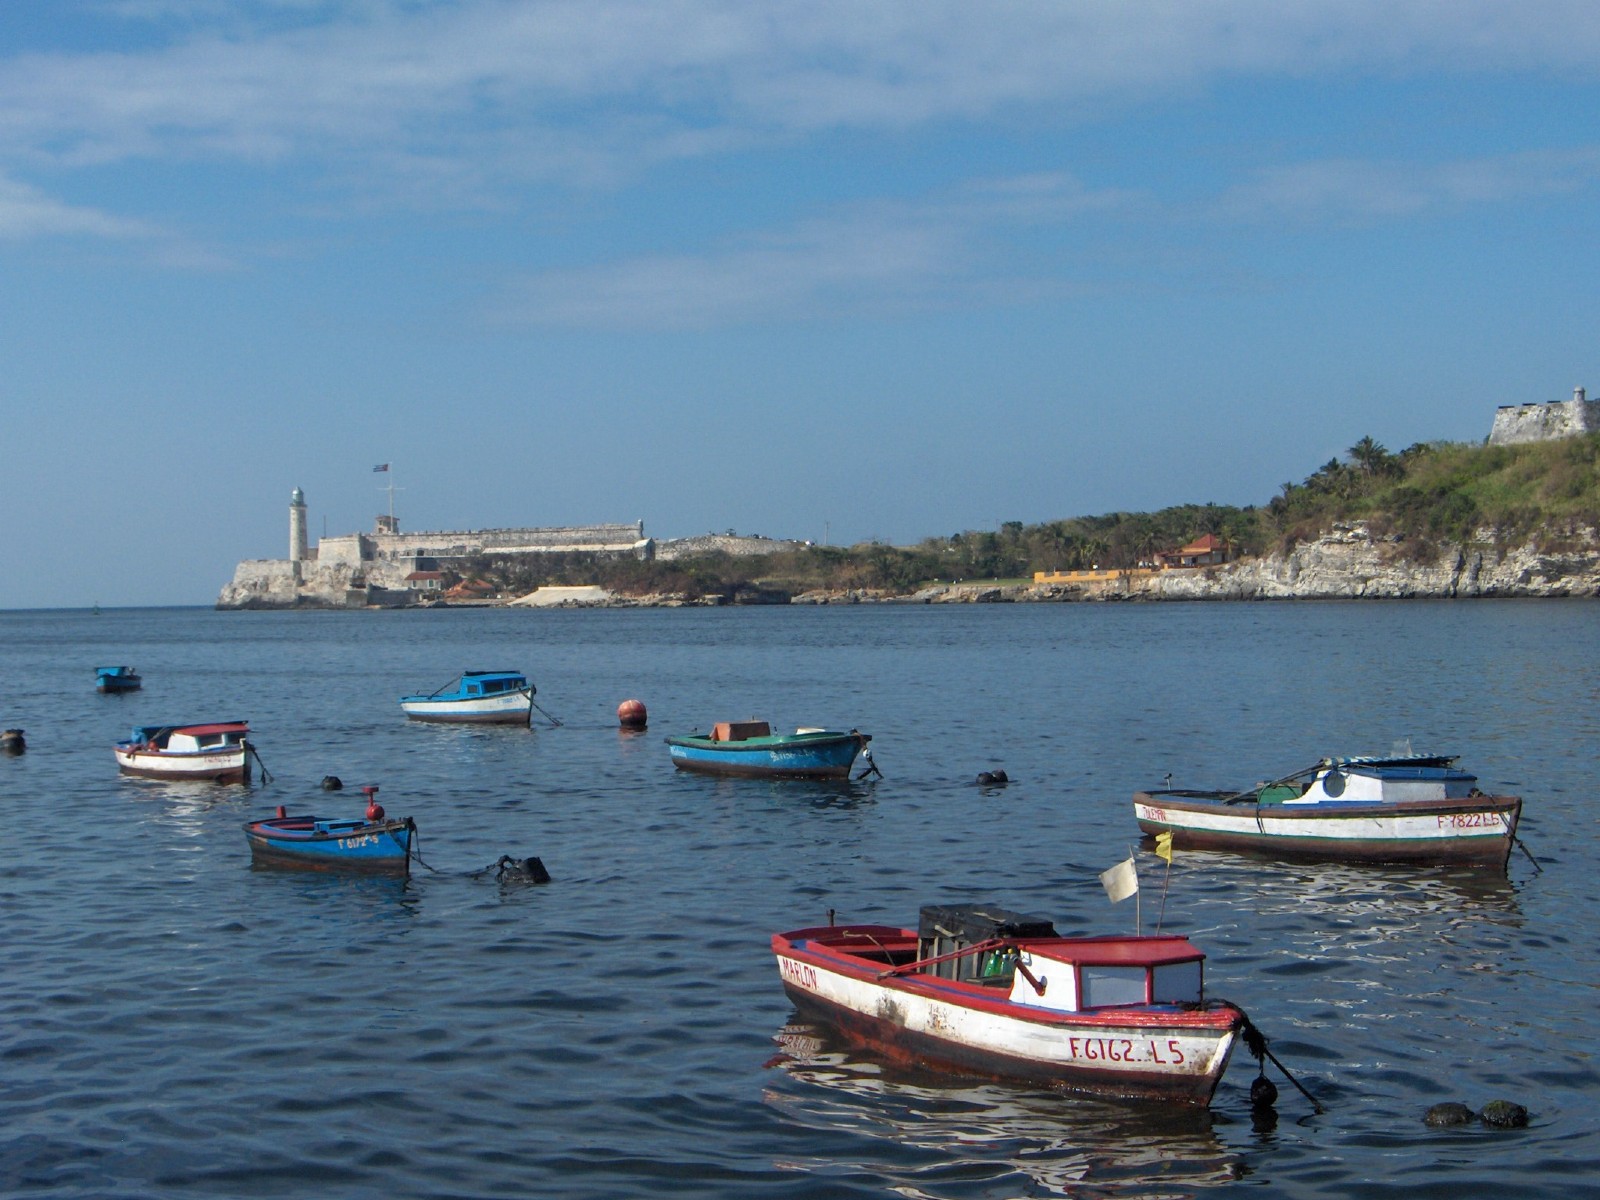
(1519, 423)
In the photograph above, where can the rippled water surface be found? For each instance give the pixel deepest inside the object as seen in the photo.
(175, 1023)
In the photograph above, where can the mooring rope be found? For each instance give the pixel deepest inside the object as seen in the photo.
(1256, 1042)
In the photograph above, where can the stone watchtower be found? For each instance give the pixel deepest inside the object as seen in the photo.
(297, 531)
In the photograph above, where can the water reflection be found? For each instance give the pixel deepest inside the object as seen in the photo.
(934, 1136)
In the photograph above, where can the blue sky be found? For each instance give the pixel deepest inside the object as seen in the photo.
(840, 271)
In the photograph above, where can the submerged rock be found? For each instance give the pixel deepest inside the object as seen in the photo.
(1503, 1114)
(1449, 1113)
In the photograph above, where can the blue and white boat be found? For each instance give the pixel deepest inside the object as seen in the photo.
(1407, 808)
(477, 697)
(750, 748)
(373, 846)
(117, 679)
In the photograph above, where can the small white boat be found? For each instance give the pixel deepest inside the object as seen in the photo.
(984, 991)
(476, 697)
(1407, 808)
(218, 752)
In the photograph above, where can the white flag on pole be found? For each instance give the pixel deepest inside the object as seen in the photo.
(1121, 881)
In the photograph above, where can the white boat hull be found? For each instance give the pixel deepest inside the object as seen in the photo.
(928, 1020)
(221, 766)
(508, 708)
(1474, 830)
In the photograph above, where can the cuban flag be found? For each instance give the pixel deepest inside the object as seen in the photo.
(381, 467)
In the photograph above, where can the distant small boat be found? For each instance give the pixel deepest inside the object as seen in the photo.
(477, 697)
(217, 752)
(117, 679)
(308, 843)
(984, 991)
(1408, 808)
(750, 748)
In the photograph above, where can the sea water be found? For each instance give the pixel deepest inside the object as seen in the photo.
(174, 1022)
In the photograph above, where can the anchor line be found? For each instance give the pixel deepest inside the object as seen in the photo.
(1256, 1042)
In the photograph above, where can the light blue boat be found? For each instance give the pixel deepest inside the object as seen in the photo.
(116, 679)
(751, 749)
(475, 697)
(332, 843)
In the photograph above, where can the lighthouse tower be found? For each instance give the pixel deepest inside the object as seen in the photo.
(297, 531)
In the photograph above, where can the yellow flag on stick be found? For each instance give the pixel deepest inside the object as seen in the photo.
(1164, 846)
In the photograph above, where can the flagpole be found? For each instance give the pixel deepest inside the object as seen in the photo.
(1138, 900)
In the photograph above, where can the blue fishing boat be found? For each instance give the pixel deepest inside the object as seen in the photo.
(117, 679)
(751, 749)
(475, 697)
(370, 844)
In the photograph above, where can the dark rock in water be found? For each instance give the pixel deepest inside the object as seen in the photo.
(1503, 1114)
(332, 783)
(12, 742)
(1263, 1093)
(1000, 776)
(996, 776)
(521, 870)
(985, 778)
(1449, 1113)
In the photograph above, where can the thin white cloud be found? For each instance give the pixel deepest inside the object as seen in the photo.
(544, 89)
(26, 212)
(1353, 190)
(883, 257)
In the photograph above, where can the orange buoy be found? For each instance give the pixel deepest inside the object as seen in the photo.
(632, 715)
(374, 809)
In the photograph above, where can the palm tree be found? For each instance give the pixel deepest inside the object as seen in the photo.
(1370, 456)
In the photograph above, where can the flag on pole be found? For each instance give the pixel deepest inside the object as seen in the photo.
(1164, 846)
(381, 467)
(1121, 881)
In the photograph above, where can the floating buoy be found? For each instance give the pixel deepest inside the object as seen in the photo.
(331, 783)
(374, 809)
(631, 714)
(11, 741)
(521, 870)
(1263, 1092)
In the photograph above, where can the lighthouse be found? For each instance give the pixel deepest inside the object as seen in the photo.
(297, 531)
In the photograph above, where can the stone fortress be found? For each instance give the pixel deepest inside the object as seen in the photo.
(388, 568)
(1518, 423)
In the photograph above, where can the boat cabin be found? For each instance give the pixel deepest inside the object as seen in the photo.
(192, 739)
(490, 683)
(1378, 781)
(1077, 974)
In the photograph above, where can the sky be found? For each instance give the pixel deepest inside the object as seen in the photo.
(841, 271)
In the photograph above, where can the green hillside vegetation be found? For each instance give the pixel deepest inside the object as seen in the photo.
(1426, 495)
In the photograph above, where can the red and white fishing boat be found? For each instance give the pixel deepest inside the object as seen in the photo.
(994, 993)
(217, 752)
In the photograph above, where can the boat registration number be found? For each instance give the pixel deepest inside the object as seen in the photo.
(358, 841)
(1476, 820)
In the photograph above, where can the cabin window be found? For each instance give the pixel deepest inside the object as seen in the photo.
(1176, 983)
(1104, 987)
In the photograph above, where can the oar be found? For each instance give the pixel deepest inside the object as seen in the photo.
(1256, 791)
